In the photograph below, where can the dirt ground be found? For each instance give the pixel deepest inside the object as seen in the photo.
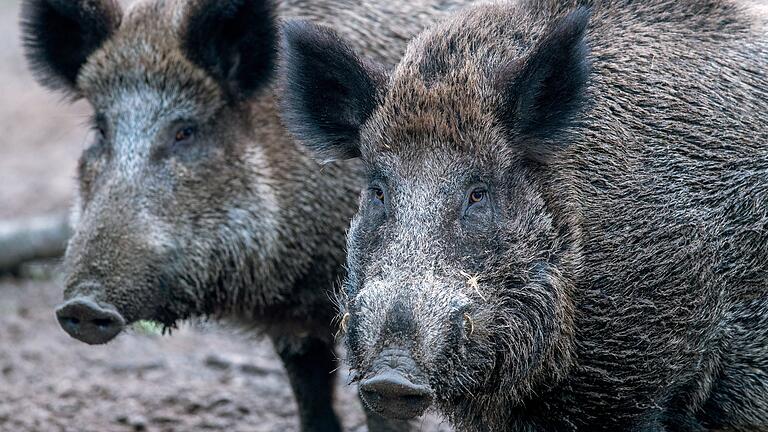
(202, 378)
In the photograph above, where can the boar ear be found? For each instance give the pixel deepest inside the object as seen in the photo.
(235, 41)
(546, 89)
(60, 35)
(328, 91)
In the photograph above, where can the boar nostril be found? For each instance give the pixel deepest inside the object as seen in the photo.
(70, 320)
(86, 321)
(104, 322)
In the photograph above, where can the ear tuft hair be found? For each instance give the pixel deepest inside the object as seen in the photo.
(329, 92)
(546, 89)
(60, 35)
(235, 41)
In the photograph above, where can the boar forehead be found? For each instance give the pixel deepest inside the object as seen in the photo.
(424, 180)
(444, 93)
(417, 116)
(429, 171)
(144, 58)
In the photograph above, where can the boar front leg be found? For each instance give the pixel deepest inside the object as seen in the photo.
(310, 364)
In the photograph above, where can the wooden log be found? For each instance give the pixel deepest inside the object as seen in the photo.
(32, 239)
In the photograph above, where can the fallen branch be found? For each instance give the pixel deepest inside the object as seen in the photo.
(32, 239)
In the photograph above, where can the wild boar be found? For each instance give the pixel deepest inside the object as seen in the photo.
(566, 219)
(193, 200)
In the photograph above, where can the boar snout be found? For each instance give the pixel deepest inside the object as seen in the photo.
(395, 389)
(88, 322)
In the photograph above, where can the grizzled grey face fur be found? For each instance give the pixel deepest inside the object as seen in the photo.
(168, 198)
(456, 256)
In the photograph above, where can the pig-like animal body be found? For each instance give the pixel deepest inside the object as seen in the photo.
(566, 224)
(193, 200)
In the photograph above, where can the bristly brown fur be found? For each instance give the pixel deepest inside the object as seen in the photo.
(237, 222)
(624, 258)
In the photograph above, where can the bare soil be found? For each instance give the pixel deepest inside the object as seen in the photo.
(201, 378)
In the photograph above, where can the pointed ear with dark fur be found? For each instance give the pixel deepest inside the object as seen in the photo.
(60, 35)
(328, 91)
(545, 90)
(235, 41)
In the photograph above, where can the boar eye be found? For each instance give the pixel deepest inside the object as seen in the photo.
(98, 126)
(378, 193)
(184, 134)
(477, 196)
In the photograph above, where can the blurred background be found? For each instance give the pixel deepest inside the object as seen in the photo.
(203, 377)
